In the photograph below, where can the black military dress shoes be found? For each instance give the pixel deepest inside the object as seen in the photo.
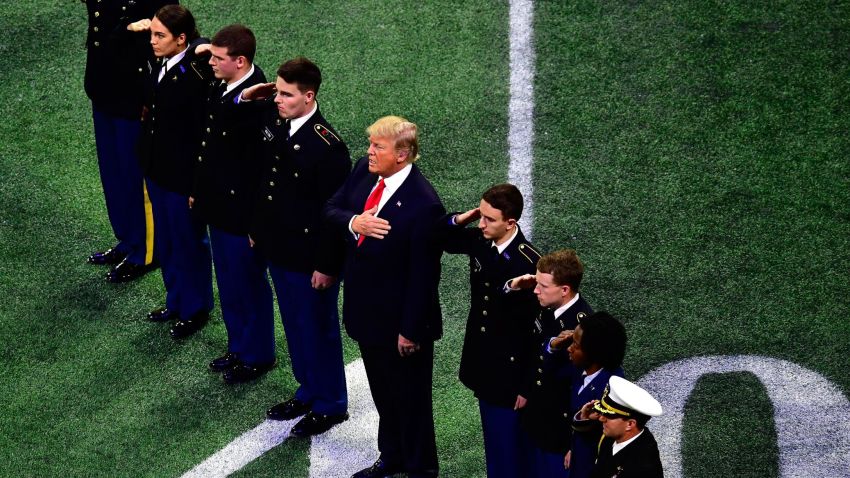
(184, 328)
(126, 271)
(315, 424)
(241, 372)
(379, 469)
(225, 362)
(162, 314)
(110, 256)
(288, 410)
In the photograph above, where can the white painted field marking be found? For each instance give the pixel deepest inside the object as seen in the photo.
(810, 433)
(345, 449)
(521, 107)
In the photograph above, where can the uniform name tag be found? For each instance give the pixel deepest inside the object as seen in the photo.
(268, 134)
(476, 266)
(538, 325)
(150, 67)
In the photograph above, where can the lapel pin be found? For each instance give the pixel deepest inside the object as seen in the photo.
(398, 204)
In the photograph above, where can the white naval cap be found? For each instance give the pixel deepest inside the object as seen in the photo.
(625, 399)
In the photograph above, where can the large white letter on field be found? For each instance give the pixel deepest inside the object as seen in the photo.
(810, 412)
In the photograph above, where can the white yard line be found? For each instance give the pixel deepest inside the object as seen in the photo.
(521, 107)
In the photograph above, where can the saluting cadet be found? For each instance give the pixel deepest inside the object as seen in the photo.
(116, 69)
(304, 163)
(628, 450)
(227, 175)
(168, 150)
(498, 328)
(546, 414)
(596, 348)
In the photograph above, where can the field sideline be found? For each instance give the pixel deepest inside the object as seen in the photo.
(694, 153)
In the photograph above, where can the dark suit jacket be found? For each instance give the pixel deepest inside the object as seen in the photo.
(639, 459)
(498, 328)
(391, 283)
(117, 60)
(227, 179)
(546, 416)
(170, 143)
(586, 434)
(299, 175)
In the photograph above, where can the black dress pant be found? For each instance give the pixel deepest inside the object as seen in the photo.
(401, 389)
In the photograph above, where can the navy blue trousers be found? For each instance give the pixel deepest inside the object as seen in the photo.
(247, 305)
(506, 448)
(123, 186)
(311, 323)
(183, 250)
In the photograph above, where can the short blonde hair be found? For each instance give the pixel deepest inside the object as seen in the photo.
(399, 129)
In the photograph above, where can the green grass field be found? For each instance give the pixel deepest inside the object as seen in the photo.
(695, 153)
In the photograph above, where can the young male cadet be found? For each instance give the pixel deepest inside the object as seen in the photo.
(386, 212)
(227, 176)
(304, 163)
(628, 450)
(169, 149)
(545, 402)
(116, 70)
(498, 328)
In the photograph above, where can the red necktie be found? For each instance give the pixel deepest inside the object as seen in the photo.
(373, 200)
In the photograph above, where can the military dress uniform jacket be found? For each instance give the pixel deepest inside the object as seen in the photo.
(391, 284)
(170, 143)
(299, 174)
(586, 433)
(227, 173)
(117, 59)
(498, 329)
(546, 417)
(639, 459)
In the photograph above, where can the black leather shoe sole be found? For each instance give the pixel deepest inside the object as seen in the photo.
(379, 469)
(126, 271)
(184, 328)
(225, 362)
(288, 410)
(316, 424)
(242, 373)
(110, 256)
(161, 314)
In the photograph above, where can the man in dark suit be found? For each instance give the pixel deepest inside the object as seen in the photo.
(386, 211)
(545, 403)
(116, 70)
(303, 163)
(225, 188)
(169, 149)
(628, 450)
(498, 329)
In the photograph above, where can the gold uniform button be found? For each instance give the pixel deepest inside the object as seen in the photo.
(203, 143)
(296, 175)
(539, 383)
(297, 147)
(140, 70)
(232, 192)
(484, 329)
(539, 370)
(486, 284)
(484, 313)
(96, 29)
(200, 158)
(224, 133)
(211, 116)
(513, 359)
(486, 298)
(306, 231)
(96, 14)
(276, 157)
(541, 357)
(271, 183)
(274, 170)
(208, 130)
(269, 198)
(565, 415)
(123, 8)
